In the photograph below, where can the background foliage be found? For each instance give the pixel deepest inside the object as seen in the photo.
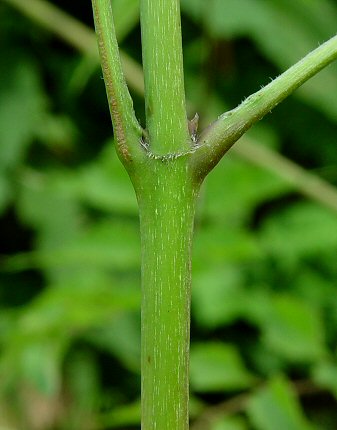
(264, 310)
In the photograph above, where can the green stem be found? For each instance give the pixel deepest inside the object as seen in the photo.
(126, 127)
(166, 204)
(222, 134)
(83, 38)
(164, 80)
(166, 195)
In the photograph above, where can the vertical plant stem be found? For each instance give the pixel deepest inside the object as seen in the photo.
(166, 219)
(166, 195)
(163, 73)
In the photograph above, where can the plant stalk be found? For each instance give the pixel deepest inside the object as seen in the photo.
(166, 223)
(127, 130)
(166, 119)
(166, 195)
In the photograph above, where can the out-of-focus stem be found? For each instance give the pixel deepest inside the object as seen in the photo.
(75, 34)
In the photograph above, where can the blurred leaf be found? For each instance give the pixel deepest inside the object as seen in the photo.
(235, 188)
(83, 389)
(293, 329)
(325, 376)
(5, 192)
(217, 244)
(83, 70)
(22, 103)
(51, 203)
(58, 133)
(218, 296)
(107, 246)
(41, 366)
(126, 16)
(85, 302)
(231, 423)
(67, 310)
(53, 212)
(265, 361)
(110, 244)
(304, 229)
(275, 407)
(216, 366)
(104, 184)
(121, 338)
(314, 288)
(41, 333)
(124, 415)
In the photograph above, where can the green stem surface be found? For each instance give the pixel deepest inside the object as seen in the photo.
(166, 195)
(167, 205)
(126, 127)
(166, 118)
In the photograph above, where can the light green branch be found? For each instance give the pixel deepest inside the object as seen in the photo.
(215, 141)
(164, 79)
(126, 127)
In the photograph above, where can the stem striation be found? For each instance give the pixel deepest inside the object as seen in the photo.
(127, 130)
(166, 118)
(166, 222)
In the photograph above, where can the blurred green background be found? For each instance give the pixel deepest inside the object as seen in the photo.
(264, 309)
